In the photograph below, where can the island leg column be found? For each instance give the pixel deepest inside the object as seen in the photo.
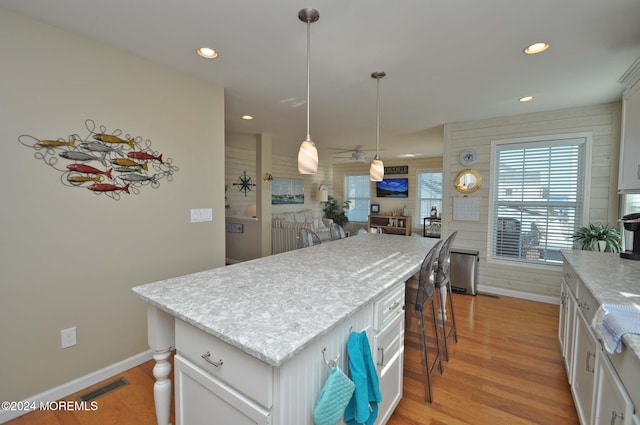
(161, 339)
(443, 304)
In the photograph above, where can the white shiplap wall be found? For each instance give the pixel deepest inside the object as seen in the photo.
(603, 121)
(238, 159)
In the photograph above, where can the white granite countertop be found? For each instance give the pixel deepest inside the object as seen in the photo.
(275, 306)
(611, 280)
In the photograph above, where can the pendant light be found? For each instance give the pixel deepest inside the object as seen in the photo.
(376, 172)
(308, 153)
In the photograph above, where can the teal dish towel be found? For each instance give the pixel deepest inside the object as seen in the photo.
(333, 398)
(363, 406)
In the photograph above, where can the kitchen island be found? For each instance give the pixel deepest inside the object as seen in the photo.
(253, 337)
(605, 387)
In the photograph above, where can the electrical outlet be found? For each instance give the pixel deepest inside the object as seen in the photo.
(68, 337)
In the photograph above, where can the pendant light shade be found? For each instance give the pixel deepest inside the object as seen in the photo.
(376, 171)
(308, 153)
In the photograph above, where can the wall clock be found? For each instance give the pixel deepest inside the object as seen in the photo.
(468, 157)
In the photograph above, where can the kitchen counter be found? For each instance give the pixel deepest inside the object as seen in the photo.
(279, 311)
(611, 280)
(272, 307)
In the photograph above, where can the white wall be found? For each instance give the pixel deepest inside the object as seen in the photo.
(602, 120)
(69, 257)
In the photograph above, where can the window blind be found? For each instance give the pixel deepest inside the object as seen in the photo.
(357, 188)
(429, 192)
(538, 199)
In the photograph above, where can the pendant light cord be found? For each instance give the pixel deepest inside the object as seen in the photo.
(378, 119)
(308, 73)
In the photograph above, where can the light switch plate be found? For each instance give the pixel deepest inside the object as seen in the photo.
(201, 214)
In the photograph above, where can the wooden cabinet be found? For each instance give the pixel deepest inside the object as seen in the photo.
(395, 225)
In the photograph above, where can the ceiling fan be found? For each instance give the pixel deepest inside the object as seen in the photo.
(357, 155)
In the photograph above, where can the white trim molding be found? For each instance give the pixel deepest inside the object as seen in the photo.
(518, 294)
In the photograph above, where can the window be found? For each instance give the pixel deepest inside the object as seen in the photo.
(429, 192)
(357, 190)
(538, 197)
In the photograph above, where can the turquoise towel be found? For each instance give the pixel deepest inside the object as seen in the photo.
(333, 398)
(363, 406)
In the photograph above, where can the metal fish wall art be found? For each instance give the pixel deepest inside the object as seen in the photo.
(108, 163)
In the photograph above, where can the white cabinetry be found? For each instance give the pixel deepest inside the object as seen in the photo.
(200, 398)
(215, 381)
(613, 406)
(566, 324)
(629, 173)
(601, 396)
(388, 350)
(584, 364)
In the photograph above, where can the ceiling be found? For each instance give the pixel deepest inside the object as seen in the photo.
(446, 61)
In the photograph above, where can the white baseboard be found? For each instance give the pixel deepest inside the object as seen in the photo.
(77, 384)
(518, 294)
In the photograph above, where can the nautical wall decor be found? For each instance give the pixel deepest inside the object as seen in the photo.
(245, 183)
(109, 163)
(287, 191)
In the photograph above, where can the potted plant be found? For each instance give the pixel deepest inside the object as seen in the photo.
(336, 211)
(598, 237)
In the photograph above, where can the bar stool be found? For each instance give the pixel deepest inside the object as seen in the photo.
(441, 281)
(418, 294)
(307, 237)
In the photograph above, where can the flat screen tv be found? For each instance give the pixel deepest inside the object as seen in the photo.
(393, 188)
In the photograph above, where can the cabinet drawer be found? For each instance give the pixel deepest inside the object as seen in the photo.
(587, 303)
(388, 355)
(388, 343)
(570, 276)
(388, 307)
(245, 373)
(200, 398)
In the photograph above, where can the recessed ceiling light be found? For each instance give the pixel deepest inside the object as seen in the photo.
(407, 155)
(247, 117)
(526, 99)
(207, 53)
(536, 48)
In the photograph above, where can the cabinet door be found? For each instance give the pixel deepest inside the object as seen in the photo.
(569, 332)
(562, 321)
(613, 405)
(203, 399)
(629, 172)
(388, 354)
(584, 366)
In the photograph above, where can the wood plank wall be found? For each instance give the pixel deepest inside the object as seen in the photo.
(603, 121)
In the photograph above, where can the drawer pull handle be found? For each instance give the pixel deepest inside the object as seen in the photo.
(207, 358)
(615, 415)
(394, 305)
(381, 362)
(589, 354)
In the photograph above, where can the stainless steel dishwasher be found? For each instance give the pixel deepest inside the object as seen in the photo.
(464, 271)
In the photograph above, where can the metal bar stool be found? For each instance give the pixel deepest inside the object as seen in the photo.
(441, 280)
(418, 294)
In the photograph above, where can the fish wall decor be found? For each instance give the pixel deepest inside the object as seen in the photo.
(107, 163)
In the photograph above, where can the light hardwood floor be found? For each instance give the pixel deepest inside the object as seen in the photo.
(505, 369)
